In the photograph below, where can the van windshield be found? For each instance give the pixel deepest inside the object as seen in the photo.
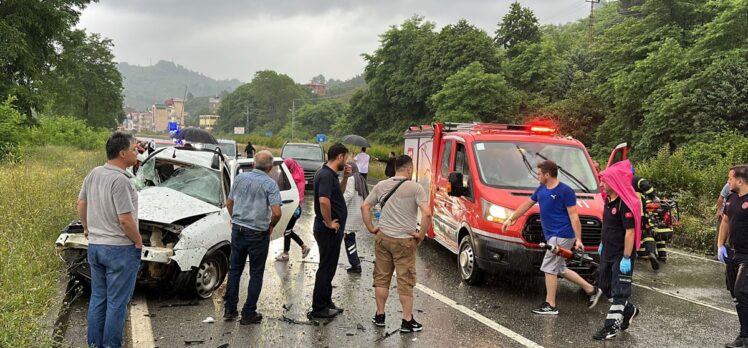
(513, 165)
(302, 152)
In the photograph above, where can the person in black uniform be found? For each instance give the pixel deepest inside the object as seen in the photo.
(617, 253)
(735, 229)
(645, 191)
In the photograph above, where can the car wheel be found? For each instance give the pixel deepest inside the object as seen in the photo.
(208, 276)
(467, 262)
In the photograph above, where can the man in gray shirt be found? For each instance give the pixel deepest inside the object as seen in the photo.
(397, 238)
(254, 205)
(108, 209)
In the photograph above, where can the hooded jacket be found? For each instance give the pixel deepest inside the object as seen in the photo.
(618, 176)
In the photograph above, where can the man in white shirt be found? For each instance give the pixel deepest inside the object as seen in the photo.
(362, 160)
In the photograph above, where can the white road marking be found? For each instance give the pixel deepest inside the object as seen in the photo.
(140, 323)
(671, 251)
(485, 321)
(687, 299)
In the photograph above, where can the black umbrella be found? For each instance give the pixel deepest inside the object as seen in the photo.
(356, 140)
(196, 135)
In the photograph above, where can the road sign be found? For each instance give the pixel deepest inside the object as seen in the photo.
(321, 138)
(238, 130)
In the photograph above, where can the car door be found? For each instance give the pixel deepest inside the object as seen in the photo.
(442, 221)
(289, 196)
(620, 153)
(457, 206)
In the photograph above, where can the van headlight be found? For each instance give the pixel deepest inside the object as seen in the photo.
(496, 213)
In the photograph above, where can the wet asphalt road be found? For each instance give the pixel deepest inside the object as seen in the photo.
(684, 304)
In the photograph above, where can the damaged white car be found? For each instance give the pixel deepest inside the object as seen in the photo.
(183, 219)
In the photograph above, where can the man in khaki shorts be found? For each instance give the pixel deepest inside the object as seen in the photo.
(397, 238)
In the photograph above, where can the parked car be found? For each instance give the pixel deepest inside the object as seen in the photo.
(229, 147)
(311, 157)
(183, 219)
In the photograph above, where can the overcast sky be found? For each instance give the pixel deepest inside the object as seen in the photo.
(301, 38)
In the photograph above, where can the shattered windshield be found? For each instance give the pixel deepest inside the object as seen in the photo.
(195, 181)
(513, 165)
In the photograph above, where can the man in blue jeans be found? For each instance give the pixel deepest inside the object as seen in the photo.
(254, 205)
(108, 209)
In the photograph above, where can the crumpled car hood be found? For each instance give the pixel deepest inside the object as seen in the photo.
(165, 205)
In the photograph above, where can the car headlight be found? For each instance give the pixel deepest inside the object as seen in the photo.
(496, 213)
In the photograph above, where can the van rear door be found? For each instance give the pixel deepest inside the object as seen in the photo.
(620, 153)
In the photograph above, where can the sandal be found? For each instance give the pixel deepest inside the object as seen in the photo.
(282, 257)
(305, 251)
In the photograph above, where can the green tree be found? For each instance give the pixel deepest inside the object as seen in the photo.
(518, 26)
(536, 70)
(30, 31)
(85, 82)
(472, 94)
(265, 102)
(454, 48)
(392, 72)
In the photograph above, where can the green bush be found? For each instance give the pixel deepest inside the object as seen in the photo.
(12, 130)
(694, 175)
(66, 130)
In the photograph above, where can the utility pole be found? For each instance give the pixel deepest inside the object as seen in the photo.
(246, 128)
(293, 117)
(591, 21)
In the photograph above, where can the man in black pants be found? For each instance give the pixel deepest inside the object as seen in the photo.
(329, 223)
(617, 250)
(735, 229)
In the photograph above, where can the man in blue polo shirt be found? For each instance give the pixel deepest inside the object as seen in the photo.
(254, 205)
(561, 226)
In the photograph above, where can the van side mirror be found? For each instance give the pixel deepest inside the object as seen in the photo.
(455, 185)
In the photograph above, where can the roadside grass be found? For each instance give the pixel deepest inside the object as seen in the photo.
(38, 200)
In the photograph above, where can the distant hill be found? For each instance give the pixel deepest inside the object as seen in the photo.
(145, 85)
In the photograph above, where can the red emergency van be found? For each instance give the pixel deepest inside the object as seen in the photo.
(477, 174)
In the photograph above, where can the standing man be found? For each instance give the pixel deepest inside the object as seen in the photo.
(397, 238)
(250, 150)
(561, 226)
(620, 240)
(720, 207)
(362, 160)
(108, 209)
(254, 205)
(389, 169)
(330, 215)
(735, 229)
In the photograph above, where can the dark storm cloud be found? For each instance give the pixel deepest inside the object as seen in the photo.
(234, 39)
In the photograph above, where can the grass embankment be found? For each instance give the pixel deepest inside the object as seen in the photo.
(38, 200)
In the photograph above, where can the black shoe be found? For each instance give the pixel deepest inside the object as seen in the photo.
(326, 313)
(737, 343)
(628, 319)
(594, 297)
(229, 315)
(356, 269)
(606, 333)
(546, 309)
(255, 318)
(378, 320)
(410, 326)
(653, 261)
(335, 308)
